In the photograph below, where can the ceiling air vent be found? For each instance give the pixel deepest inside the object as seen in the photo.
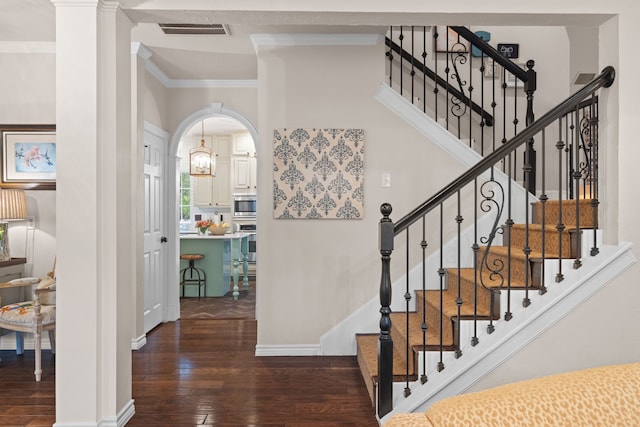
(195, 29)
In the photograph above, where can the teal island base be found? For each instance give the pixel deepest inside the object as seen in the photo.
(225, 262)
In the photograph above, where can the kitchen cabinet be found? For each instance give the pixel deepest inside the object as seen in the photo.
(214, 190)
(244, 175)
(243, 145)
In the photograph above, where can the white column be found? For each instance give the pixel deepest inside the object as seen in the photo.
(95, 256)
(139, 54)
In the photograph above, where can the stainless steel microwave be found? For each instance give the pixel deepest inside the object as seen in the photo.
(244, 205)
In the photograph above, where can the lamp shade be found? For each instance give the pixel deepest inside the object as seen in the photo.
(13, 204)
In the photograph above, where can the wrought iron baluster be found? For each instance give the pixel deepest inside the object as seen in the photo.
(401, 60)
(441, 273)
(413, 69)
(475, 248)
(543, 218)
(459, 220)
(508, 315)
(407, 300)
(594, 174)
(390, 56)
(424, 75)
(423, 245)
(560, 225)
(577, 175)
(526, 301)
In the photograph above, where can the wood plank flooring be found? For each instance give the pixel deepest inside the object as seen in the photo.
(204, 372)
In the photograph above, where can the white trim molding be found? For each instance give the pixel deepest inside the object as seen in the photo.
(141, 50)
(138, 343)
(314, 40)
(288, 350)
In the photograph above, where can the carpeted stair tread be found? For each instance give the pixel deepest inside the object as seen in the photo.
(485, 281)
(450, 306)
(552, 211)
(368, 349)
(467, 274)
(516, 253)
(549, 228)
(399, 327)
(551, 239)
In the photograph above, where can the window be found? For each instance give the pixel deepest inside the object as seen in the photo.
(185, 201)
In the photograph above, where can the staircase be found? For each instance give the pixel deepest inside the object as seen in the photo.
(442, 314)
(513, 249)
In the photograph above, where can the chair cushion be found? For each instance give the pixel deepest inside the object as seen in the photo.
(47, 298)
(21, 313)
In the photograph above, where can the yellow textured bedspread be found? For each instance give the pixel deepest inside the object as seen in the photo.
(606, 396)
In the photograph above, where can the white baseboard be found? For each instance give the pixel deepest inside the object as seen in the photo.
(138, 343)
(120, 420)
(288, 350)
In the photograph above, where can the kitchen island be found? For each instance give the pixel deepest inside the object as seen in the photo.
(224, 257)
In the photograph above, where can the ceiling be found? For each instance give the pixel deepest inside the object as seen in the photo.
(232, 57)
(224, 57)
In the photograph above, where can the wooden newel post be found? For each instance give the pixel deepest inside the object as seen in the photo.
(530, 153)
(385, 343)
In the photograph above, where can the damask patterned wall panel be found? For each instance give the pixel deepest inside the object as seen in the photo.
(318, 173)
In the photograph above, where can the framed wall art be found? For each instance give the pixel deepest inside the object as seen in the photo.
(318, 173)
(28, 157)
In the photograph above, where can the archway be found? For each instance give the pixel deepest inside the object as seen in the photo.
(172, 297)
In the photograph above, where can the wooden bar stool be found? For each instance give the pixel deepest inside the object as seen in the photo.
(193, 275)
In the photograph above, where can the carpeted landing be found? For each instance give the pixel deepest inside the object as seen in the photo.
(221, 307)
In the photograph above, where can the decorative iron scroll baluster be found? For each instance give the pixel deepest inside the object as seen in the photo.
(385, 343)
(585, 145)
(488, 203)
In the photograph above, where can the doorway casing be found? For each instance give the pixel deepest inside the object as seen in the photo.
(216, 109)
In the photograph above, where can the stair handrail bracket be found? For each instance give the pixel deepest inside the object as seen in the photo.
(478, 274)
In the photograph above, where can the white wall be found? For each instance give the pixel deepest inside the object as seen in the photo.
(27, 86)
(313, 273)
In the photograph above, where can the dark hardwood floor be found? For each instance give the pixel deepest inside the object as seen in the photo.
(204, 372)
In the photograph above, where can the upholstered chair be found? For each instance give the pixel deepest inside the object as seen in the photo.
(34, 316)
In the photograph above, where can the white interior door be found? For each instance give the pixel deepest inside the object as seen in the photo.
(154, 154)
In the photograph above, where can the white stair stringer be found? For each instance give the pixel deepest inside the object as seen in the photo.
(525, 326)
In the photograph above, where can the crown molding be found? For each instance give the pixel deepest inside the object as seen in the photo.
(144, 53)
(27, 47)
(314, 40)
(186, 84)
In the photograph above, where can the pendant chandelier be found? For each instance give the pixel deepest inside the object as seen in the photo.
(202, 159)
